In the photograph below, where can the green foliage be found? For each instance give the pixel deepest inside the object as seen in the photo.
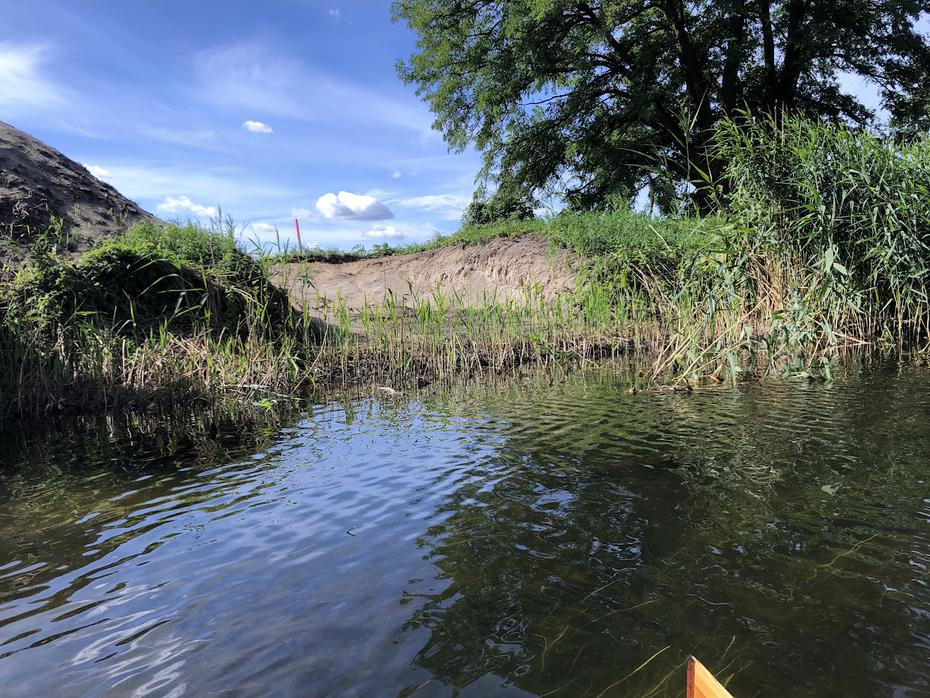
(508, 203)
(849, 208)
(633, 236)
(152, 277)
(158, 311)
(821, 243)
(184, 244)
(589, 98)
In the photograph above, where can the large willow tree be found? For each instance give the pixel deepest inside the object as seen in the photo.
(588, 97)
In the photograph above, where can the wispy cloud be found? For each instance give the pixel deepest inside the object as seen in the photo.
(448, 206)
(227, 187)
(352, 207)
(180, 136)
(257, 127)
(252, 76)
(22, 80)
(385, 232)
(181, 205)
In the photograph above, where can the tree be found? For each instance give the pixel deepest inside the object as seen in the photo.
(592, 95)
(506, 203)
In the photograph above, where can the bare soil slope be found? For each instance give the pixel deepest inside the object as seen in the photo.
(37, 183)
(501, 268)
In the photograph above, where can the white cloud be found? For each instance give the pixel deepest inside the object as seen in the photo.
(449, 206)
(97, 171)
(385, 232)
(247, 75)
(257, 127)
(21, 81)
(335, 12)
(263, 229)
(396, 174)
(302, 213)
(353, 207)
(264, 236)
(182, 204)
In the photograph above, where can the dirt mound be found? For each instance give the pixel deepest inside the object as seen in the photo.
(501, 268)
(38, 183)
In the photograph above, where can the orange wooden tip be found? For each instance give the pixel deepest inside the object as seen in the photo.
(702, 684)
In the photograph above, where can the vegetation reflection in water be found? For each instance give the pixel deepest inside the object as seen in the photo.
(531, 539)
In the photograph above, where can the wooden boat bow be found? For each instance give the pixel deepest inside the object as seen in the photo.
(702, 684)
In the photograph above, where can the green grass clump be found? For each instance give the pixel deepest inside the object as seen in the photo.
(153, 277)
(847, 211)
(170, 310)
(183, 244)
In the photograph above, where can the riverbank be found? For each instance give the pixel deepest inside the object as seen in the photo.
(819, 248)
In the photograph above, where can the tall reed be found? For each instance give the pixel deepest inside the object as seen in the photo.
(820, 246)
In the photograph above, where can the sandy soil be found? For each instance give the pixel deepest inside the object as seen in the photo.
(502, 266)
(37, 182)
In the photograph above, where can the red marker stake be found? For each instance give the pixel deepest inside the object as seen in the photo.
(299, 243)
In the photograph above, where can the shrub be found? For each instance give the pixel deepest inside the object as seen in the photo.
(152, 277)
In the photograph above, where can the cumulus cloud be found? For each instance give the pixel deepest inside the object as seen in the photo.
(385, 232)
(353, 207)
(396, 174)
(183, 205)
(22, 83)
(97, 171)
(449, 206)
(257, 127)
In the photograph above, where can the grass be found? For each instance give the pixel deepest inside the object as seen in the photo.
(168, 315)
(820, 247)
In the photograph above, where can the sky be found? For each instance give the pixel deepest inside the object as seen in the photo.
(266, 111)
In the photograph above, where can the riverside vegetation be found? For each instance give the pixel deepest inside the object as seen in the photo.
(817, 245)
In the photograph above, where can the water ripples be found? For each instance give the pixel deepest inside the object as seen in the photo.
(526, 540)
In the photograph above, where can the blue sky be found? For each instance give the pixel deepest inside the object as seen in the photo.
(268, 110)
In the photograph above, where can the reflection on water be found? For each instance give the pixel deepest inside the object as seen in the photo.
(561, 540)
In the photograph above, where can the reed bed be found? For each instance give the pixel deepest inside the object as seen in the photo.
(77, 366)
(819, 248)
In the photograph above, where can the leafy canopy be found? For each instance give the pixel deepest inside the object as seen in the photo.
(586, 98)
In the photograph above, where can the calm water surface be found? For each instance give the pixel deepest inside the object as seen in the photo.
(534, 539)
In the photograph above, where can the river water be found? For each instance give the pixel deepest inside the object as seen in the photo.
(534, 538)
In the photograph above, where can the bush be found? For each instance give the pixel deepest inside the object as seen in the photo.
(152, 277)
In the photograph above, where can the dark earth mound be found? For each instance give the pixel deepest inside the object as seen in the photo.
(39, 184)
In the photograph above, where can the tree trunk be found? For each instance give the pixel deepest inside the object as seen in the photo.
(730, 79)
(793, 62)
(768, 54)
(696, 152)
